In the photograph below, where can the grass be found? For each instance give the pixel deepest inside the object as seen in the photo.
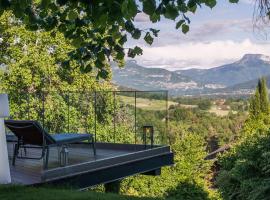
(188, 106)
(219, 112)
(147, 104)
(153, 104)
(31, 193)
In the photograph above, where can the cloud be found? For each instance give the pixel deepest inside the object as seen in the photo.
(205, 32)
(199, 54)
(247, 1)
(141, 17)
(222, 26)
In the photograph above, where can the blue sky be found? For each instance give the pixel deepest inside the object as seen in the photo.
(217, 36)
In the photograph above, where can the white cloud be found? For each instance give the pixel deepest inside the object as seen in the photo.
(142, 17)
(248, 1)
(199, 54)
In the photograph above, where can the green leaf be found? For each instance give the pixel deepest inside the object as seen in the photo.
(182, 7)
(102, 20)
(51, 22)
(86, 69)
(154, 17)
(211, 3)
(123, 39)
(234, 1)
(72, 14)
(148, 38)
(77, 42)
(129, 26)
(135, 51)
(171, 12)
(192, 5)
(193, 8)
(120, 55)
(101, 56)
(99, 64)
(179, 23)
(138, 50)
(154, 31)
(185, 28)
(136, 34)
(149, 6)
(102, 74)
(62, 2)
(45, 3)
(129, 8)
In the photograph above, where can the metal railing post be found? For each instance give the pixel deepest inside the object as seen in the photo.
(68, 110)
(167, 116)
(43, 109)
(87, 112)
(95, 104)
(135, 120)
(114, 108)
(28, 105)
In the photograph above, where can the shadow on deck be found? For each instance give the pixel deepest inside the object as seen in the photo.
(112, 162)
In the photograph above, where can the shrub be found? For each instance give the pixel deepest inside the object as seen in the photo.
(245, 170)
(186, 180)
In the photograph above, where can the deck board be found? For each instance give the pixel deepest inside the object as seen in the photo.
(27, 171)
(112, 162)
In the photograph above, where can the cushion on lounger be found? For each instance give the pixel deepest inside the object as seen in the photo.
(70, 137)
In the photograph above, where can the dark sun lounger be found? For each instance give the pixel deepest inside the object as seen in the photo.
(30, 134)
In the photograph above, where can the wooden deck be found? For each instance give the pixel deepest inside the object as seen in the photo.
(83, 163)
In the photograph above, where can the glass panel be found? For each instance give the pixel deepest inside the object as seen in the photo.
(113, 116)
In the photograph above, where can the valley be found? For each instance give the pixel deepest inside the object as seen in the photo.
(234, 79)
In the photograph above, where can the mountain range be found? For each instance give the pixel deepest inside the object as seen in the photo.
(239, 77)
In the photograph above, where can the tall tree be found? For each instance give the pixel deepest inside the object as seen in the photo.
(264, 100)
(99, 29)
(255, 107)
(259, 102)
(258, 120)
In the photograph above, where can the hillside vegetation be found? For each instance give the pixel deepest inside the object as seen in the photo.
(245, 169)
(32, 74)
(29, 193)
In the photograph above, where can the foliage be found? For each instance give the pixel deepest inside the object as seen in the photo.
(32, 74)
(245, 169)
(205, 105)
(190, 100)
(185, 180)
(226, 129)
(259, 102)
(258, 120)
(99, 29)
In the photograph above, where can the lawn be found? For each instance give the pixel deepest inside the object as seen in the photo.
(31, 193)
(146, 104)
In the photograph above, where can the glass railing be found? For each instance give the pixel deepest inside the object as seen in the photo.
(112, 116)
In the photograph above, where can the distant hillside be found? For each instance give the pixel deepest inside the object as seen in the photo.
(142, 78)
(250, 67)
(237, 77)
(249, 84)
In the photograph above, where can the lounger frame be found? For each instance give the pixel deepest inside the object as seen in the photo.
(47, 142)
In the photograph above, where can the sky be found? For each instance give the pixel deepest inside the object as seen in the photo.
(217, 36)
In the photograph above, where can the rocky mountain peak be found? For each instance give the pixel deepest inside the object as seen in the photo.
(251, 58)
